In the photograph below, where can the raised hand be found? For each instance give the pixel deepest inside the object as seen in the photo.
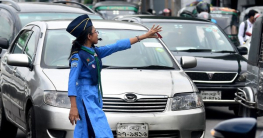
(152, 32)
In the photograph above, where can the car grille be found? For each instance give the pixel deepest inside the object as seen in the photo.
(160, 134)
(216, 77)
(139, 106)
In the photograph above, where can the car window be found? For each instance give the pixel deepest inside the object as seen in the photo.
(6, 24)
(30, 17)
(32, 42)
(148, 52)
(21, 41)
(184, 36)
(110, 14)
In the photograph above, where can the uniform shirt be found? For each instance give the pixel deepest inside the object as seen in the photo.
(79, 72)
(241, 31)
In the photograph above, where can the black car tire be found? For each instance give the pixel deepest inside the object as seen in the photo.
(7, 129)
(31, 127)
(248, 112)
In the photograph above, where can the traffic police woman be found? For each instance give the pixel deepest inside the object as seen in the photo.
(84, 86)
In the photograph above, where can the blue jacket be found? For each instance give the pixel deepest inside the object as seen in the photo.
(81, 84)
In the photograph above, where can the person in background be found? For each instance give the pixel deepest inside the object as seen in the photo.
(203, 10)
(245, 28)
(167, 12)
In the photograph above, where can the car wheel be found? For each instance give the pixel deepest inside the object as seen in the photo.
(31, 128)
(7, 129)
(248, 112)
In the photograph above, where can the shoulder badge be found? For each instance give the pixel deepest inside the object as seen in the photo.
(88, 60)
(74, 59)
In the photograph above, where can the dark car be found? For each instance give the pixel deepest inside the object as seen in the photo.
(15, 15)
(220, 69)
(110, 9)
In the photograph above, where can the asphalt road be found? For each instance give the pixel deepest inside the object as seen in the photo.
(214, 115)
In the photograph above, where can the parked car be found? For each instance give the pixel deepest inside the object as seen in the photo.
(250, 97)
(15, 15)
(221, 69)
(110, 9)
(35, 73)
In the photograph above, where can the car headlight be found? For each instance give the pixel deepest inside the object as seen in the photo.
(185, 101)
(242, 77)
(58, 99)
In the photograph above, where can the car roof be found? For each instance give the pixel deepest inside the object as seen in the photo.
(114, 3)
(102, 24)
(164, 18)
(49, 7)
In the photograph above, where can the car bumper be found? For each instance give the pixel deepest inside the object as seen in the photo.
(227, 93)
(52, 121)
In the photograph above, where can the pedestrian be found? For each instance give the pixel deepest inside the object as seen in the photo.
(245, 28)
(84, 86)
(167, 12)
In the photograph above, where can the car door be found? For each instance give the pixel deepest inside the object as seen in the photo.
(24, 76)
(10, 86)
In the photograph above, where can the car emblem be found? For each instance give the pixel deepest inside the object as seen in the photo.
(130, 97)
(210, 75)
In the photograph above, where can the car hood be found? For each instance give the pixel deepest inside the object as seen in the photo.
(220, 62)
(146, 82)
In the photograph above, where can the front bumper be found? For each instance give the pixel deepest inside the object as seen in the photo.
(227, 91)
(53, 120)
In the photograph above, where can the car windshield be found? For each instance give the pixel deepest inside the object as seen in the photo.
(30, 17)
(109, 14)
(227, 22)
(147, 53)
(193, 37)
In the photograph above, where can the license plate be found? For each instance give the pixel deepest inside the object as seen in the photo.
(132, 130)
(211, 95)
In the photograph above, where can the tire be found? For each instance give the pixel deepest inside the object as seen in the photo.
(247, 112)
(31, 127)
(7, 129)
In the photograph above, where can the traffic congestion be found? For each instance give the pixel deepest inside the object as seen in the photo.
(119, 69)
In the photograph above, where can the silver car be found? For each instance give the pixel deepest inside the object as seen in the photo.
(145, 89)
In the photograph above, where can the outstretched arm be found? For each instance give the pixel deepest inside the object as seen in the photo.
(150, 34)
(126, 43)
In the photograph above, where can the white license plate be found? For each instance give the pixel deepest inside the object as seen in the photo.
(211, 95)
(132, 130)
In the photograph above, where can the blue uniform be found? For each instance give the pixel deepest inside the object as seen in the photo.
(89, 106)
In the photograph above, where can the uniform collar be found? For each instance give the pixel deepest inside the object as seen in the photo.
(89, 48)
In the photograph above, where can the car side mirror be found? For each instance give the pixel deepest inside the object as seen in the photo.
(236, 128)
(188, 62)
(242, 50)
(18, 60)
(4, 43)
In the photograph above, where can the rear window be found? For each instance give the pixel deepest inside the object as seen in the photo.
(31, 17)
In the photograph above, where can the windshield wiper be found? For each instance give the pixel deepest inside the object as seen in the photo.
(193, 50)
(142, 67)
(224, 51)
(63, 67)
(155, 67)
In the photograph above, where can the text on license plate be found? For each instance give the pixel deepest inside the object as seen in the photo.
(211, 95)
(132, 130)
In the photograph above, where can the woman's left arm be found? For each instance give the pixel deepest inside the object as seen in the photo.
(126, 43)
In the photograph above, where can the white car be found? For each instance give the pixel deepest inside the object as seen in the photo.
(144, 87)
